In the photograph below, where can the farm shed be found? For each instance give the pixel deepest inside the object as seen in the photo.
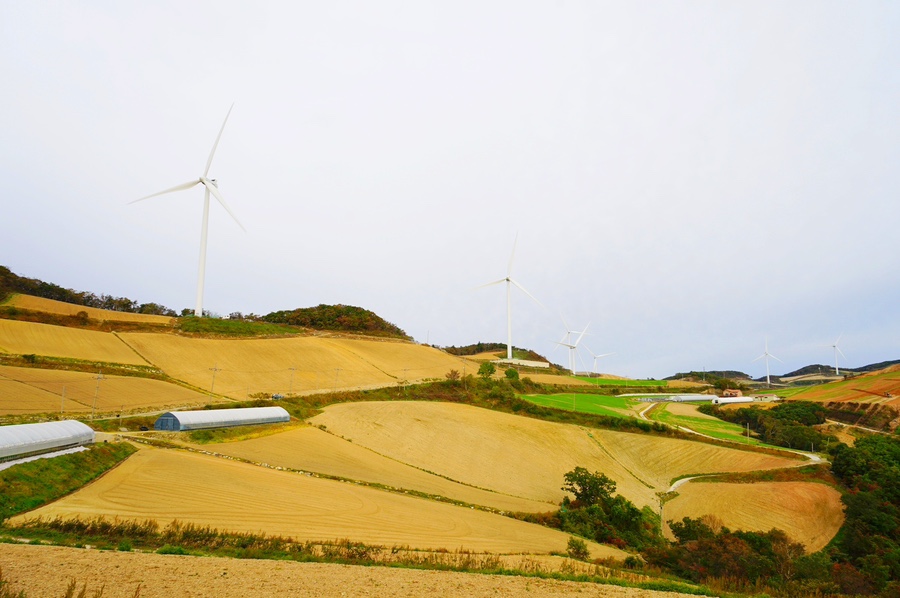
(177, 421)
(731, 400)
(688, 398)
(33, 439)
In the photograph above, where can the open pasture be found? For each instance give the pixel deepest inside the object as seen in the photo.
(246, 366)
(555, 379)
(30, 338)
(526, 457)
(166, 485)
(808, 512)
(51, 306)
(623, 382)
(311, 449)
(686, 415)
(611, 406)
(30, 390)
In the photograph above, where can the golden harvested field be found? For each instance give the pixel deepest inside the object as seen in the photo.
(809, 513)
(311, 449)
(526, 457)
(45, 572)
(865, 388)
(70, 309)
(30, 390)
(166, 484)
(687, 410)
(24, 338)
(264, 365)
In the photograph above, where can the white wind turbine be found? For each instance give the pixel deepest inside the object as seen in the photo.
(573, 347)
(210, 186)
(837, 372)
(766, 355)
(596, 357)
(509, 283)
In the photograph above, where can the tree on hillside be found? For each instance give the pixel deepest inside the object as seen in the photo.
(486, 370)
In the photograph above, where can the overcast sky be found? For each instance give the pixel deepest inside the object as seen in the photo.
(687, 177)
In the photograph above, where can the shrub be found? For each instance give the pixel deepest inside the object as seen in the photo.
(512, 373)
(577, 549)
(486, 370)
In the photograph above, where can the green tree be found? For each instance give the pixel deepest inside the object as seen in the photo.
(487, 370)
(512, 373)
(589, 488)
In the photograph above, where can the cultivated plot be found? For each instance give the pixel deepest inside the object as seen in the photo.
(32, 390)
(808, 512)
(527, 457)
(30, 338)
(612, 406)
(166, 485)
(311, 449)
(238, 367)
(686, 415)
(70, 309)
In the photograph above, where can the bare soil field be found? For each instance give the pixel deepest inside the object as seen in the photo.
(311, 449)
(247, 366)
(687, 410)
(24, 338)
(526, 457)
(70, 309)
(45, 572)
(167, 484)
(31, 390)
(808, 512)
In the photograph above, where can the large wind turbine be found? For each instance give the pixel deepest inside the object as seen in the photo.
(837, 372)
(596, 357)
(766, 355)
(209, 186)
(509, 284)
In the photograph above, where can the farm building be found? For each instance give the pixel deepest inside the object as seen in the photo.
(177, 421)
(25, 440)
(731, 400)
(687, 398)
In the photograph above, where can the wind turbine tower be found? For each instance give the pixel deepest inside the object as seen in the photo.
(509, 284)
(573, 347)
(766, 355)
(837, 371)
(210, 186)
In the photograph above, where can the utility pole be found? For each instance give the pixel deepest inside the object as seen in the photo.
(214, 369)
(99, 378)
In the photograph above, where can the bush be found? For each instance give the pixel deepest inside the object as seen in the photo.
(169, 549)
(577, 549)
(486, 370)
(512, 374)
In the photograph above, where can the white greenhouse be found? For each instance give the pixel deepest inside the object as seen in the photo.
(177, 421)
(25, 440)
(731, 400)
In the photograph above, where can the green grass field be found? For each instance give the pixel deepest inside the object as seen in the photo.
(710, 427)
(623, 383)
(587, 403)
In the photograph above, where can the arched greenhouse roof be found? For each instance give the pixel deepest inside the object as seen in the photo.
(220, 418)
(25, 439)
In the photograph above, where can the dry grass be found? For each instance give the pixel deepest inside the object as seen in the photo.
(526, 457)
(70, 309)
(24, 338)
(166, 485)
(29, 390)
(311, 449)
(263, 365)
(808, 512)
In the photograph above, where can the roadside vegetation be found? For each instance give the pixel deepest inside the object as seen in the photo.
(787, 424)
(27, 486)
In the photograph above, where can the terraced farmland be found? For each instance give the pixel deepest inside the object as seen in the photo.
(70, 309)
(167, 484)
(30, 390)
(613, 406)
(526, 457)
(24, 338)
(686, 415)
(808, 512)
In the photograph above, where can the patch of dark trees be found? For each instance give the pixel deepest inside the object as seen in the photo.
(336, 317)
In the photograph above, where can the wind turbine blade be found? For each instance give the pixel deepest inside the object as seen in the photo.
(839, 351)
(775, 358)
(526, 292)
(214, 191)
(490, 284)
(213, 151)
(180, 187)
(512, 256)
(583, 332)
(758, 358)
(604, 355)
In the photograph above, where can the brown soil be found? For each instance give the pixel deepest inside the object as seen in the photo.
(46, 571)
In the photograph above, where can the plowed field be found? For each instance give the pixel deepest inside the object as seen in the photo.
(29, 390)
(70, 309)
(264, 365)
(167, 484)
(527, 457)
(24, 338)
(809, 513)
(311, 449)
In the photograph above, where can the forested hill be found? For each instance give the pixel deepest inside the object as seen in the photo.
(337, 317)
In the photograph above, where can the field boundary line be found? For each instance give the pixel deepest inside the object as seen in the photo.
(611, 456)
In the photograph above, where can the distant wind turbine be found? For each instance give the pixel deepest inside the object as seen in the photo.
(210, 186)
(766, 355)
(509, 283)
(837, 372)
(596, 357)
(573, 347)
